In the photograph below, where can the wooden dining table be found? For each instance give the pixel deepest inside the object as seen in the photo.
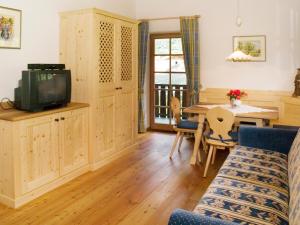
(259, 118)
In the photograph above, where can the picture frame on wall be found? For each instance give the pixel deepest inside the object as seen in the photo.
(254, 46)
(10, 28)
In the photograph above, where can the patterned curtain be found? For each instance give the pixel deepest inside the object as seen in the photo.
(190, 42)
(143, 47)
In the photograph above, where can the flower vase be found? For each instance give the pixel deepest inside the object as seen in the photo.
(233, 102)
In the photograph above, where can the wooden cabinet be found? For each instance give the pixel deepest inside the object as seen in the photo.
(40, 151)
(106, 71)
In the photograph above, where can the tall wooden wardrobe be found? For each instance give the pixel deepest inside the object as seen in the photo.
(100, 48)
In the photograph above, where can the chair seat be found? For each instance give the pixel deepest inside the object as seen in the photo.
(186, 124)
(233, 135)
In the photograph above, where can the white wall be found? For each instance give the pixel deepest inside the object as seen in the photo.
(279, 20)
(40, 33)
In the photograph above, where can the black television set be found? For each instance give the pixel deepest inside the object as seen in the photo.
(43, 87)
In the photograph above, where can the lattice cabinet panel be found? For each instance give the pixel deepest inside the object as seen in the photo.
(106, 51)
(126, 53)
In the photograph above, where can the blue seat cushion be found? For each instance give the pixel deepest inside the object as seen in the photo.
(250, 188)
(186, 124)
(233, 135)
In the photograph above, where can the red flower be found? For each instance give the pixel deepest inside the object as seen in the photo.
(237, 94)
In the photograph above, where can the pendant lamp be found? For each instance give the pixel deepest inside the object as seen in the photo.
(238, 55)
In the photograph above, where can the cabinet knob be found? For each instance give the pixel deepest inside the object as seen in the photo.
(56, 120)
(62, 118)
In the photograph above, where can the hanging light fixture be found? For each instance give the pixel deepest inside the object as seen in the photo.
(238, 55)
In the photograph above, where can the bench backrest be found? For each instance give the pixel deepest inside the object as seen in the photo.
(294, 181)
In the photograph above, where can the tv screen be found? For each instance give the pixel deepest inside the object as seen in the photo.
(51, 88)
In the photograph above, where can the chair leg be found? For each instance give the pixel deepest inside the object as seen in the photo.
(180, 141)
(211, 149)
(199, 155)
(214, 156)
(174, 144)
(204, 144)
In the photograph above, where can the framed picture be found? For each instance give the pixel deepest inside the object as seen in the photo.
(251, 45)
(10, 28)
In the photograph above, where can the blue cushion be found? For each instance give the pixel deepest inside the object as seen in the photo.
(183, 217)
(250, 188)
(186, 124)
(279, 140)
(233, 135)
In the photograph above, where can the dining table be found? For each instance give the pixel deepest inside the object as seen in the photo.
(243, 113)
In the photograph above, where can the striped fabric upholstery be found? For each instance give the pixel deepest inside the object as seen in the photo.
(294, 181)
(251, 188)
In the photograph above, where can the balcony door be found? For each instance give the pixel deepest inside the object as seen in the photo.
(168, 78)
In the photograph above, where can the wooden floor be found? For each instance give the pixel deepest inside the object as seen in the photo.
(142, 187)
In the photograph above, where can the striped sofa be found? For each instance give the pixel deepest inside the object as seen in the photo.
(259, 183)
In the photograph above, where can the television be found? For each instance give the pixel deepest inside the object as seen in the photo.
(41, 88)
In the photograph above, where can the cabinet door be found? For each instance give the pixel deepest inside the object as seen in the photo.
(127, 56)
(73, 140)
(105, 127)
(39, 152)
(125, 119)
(126, 94)
(106, 29)
(106, 81)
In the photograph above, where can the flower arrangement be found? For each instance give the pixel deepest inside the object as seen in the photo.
(235, 97)
(236, 94)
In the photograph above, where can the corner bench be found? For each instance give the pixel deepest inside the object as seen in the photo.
(259, 183)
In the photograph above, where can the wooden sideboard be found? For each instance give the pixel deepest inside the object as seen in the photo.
(289, 107)
(41, 151)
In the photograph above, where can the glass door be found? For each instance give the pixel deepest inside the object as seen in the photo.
(168, 78)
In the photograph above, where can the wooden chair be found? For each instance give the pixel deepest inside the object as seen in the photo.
(220, 122)
(181, 126)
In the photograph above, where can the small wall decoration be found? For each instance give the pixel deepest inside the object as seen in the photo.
(254, 46)
(10, 27)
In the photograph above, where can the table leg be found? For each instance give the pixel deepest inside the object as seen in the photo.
(198, 136)
(260, 123)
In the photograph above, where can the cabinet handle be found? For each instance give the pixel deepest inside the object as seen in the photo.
(62, 118)
(56, 120)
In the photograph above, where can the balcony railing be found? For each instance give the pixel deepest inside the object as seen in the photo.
(163, 94)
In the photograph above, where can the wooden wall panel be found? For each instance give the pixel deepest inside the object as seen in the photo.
(255, 97)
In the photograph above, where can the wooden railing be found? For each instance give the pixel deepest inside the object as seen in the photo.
(163, 94)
